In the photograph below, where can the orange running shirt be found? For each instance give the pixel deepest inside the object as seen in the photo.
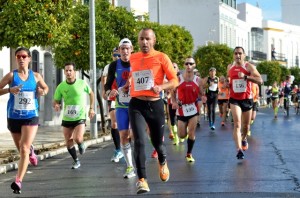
(148, 70)
(223, 91)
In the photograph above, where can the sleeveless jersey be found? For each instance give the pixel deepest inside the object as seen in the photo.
(275, 92)
(212, 89)
(240, 89)
(187, 94)
(122, 74)
(23, 105)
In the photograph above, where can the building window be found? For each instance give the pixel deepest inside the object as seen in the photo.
(35, 61)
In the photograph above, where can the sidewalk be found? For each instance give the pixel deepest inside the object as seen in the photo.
(47, 138)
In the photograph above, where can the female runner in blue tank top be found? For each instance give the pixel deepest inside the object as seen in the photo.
(25, 86)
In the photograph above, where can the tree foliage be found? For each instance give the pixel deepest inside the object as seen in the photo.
(34, 22)
(213, 55)
(272, 69)
(173, 40)
(111, 25)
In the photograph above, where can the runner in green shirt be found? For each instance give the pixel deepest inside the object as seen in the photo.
(71, 91)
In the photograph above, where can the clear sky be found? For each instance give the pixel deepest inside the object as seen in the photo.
(271, 9)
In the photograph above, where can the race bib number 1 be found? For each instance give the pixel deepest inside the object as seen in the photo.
(143, 80)
(239, 85)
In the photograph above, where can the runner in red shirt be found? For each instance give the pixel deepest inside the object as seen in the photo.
(241, 74)
(186, 103)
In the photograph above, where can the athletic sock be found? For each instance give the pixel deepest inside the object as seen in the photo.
(127, 154)
(73, 153)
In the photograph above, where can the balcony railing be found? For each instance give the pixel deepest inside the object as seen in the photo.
(279, 57)
(257, 55)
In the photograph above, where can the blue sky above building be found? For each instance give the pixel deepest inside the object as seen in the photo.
(271, 9)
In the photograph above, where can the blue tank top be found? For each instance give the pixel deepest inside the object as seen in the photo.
(23, 105)
(122, 74)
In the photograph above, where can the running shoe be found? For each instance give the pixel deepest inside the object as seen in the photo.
(129, 172)
(154, 154)
(16, 186)
(240, 155)
(32, 157)
(76, 164)
(212, 127)
(252, 121)
(175, 140)
(171, 136)
(223, 123)
(275, 116)
(249, 133)
(117, 156)
(198, 124)
(245, 145)
(142, 186)
(189, 158)
(81, 148)
(164, 172)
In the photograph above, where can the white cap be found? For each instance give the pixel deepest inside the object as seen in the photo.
(125, 41)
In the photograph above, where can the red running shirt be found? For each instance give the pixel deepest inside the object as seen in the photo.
(187, 93)
(240, 89)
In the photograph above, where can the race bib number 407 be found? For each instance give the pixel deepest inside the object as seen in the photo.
(143, 80)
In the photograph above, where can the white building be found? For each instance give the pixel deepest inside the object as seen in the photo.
(222, 21)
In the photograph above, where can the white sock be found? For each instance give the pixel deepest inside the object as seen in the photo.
(127, 154)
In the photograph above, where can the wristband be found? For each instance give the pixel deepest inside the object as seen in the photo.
(245, 77)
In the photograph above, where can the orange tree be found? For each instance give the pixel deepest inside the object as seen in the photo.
(34, 22)
(213, 55)
(174, 40)
(272, 69)
(111, 25)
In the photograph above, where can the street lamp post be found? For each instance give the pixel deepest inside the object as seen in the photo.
(93, 121)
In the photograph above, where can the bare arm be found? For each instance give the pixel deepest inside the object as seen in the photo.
(42, 88)
(6, 80)
(92, 102)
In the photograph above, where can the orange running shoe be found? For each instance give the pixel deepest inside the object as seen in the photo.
(164, 172)
(171, 136)
(245, 145)
(154, 154)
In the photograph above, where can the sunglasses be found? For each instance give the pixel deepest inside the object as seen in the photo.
(22, 56)
(116, 55)
(238, 53)
(188, 63)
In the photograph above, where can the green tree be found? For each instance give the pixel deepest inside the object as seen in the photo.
(284, 72)
(173, 40)
(213, 55)
(272, 69)
(111, 25)
(34, 22)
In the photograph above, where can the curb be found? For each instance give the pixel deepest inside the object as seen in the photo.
(14, 165)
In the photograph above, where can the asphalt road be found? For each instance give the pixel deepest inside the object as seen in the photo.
(270, 168)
